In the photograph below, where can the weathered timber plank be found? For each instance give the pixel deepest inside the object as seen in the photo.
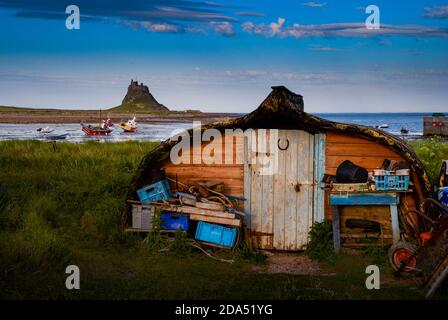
(360, 150)
(336, 228)
(362, 199)
(319, 170)
(279, 196)
(292, 155)
(210, 206)
(267, 201)
(334, 137)
(395, 224)
(310, 189)
(247, 182)
(256, 187)
(229, 222)
(198, 211)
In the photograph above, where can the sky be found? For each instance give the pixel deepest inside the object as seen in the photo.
(223, 56)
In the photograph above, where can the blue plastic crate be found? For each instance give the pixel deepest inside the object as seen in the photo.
(174, 221)
(391, 181)
(214, 233)
(155, 192)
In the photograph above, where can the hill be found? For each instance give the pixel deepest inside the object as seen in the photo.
(139, 99)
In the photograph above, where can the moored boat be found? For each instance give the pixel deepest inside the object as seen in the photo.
(96, 130)
(130, 126)
(109, 123)
(54, 137)
(45, 130)
(103, 129)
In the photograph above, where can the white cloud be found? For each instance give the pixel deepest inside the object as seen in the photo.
(313, 4)
(223, 28)
(321, 48)
(161, 27)
(248, 26)
(356, 30)
(438, 12)
(276, 28)
(273, 29)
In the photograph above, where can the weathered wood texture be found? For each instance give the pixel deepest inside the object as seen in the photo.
(215, 168)
(281, 214)
(336, 219)
(365, 199)
(231, 176)
(320, 140)
(365, 153)
(380, 214)
(431, 126)
(225, 221)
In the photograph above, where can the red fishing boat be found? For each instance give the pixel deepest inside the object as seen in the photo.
(95, 130)
(103, 129)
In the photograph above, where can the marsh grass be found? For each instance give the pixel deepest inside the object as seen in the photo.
(64, 185)
(47, 194)
(431, 151)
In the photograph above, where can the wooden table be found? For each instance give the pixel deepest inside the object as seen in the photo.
(363, 199)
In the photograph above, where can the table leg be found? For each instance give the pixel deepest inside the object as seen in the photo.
(336, 228)
(395, 224)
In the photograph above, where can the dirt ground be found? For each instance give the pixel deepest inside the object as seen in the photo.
(291, 263)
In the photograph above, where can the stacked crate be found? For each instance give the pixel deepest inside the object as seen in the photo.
(142, 217)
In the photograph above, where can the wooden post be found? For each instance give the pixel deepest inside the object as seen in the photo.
(395, 224)
(336, 228)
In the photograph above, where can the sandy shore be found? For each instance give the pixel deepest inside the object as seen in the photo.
(40, 116)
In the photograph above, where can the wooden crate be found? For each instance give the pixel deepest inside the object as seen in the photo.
(431, 126)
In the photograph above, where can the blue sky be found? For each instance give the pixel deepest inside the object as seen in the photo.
(223, 56)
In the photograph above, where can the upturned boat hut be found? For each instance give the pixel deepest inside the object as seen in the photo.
(281, 205)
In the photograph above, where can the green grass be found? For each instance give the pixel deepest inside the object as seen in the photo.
(431, 151)
(63, 207)
(114, 110)
(7, 108)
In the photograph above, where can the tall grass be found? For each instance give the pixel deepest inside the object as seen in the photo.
(67, 183)
(431, 151)
(47, 195)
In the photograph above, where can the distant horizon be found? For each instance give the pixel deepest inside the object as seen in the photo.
(241, 113)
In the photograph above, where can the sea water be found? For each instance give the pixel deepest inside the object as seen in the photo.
(159, 132)
(145, 132)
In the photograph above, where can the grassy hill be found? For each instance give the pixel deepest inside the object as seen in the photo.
(6, 108)
(139, 99)
(138, 106)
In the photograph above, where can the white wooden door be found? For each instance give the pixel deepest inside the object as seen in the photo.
(279, 206)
